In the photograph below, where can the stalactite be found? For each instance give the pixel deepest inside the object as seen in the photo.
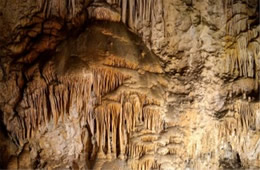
(124, 10)
(139, 148)
(100, 131)
(142, 16)
(128, 113)
(152, 118)
(100, 86)
(247, 118)
(62, 8)
(137, 110)
(121, 63)
(46, 99)
(240, 123)
(146, 162)
(242, 59)
(109, 110)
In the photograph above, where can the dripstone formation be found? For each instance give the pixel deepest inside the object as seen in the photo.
(129, 84)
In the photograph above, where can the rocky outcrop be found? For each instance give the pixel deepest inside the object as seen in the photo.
(153, 84)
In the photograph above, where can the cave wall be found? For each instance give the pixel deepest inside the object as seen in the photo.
(132, 84)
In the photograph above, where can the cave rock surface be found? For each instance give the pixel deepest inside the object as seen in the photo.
(129, 84)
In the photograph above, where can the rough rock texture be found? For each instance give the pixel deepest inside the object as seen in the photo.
(130, 84)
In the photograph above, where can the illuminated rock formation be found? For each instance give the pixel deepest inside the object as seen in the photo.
(129, 84)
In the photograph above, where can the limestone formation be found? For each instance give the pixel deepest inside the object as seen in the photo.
(129, 84)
